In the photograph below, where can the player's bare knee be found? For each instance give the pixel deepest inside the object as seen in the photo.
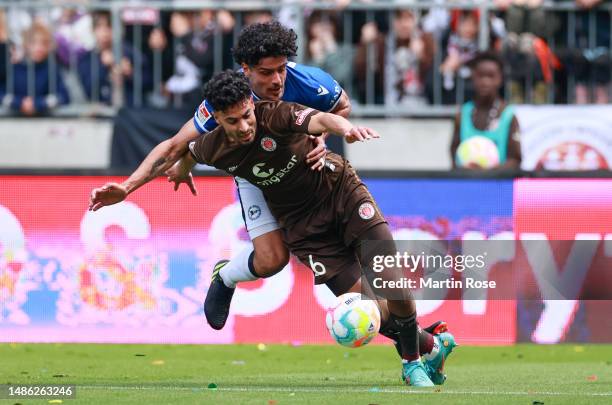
(271, 254)
(270, 261)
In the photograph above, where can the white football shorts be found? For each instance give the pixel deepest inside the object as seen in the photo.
(257, 216)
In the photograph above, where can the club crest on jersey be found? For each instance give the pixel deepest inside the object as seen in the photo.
(366, 210)
(301, 116)
(254, 212)
(268, 144)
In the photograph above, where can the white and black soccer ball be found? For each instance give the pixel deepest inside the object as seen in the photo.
(354, 321)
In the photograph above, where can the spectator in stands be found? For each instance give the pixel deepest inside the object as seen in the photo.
(37, 85)
(524, 16)
(138, 24)
(370, 60)
(199, 46)
(409, 65)
(185, 81)
(369, 30)
(100, 73)
(325, 49)
(400, 63)
(73, 35)
(259, 16)
(488, 115)
(589, 59)
(18, 21)
(461, 48)
(162, 51)
(4, 49)
(526, 51)
(194, 57)
(436, 20)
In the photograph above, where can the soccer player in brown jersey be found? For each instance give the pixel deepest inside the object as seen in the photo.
(262, 51)
(325, 216)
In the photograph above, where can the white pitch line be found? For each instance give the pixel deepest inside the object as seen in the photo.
(338, 390)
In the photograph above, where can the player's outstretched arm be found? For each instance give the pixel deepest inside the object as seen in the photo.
(160, 159)
(316, 157)
(335, 124)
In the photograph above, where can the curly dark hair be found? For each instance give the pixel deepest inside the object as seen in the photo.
(261, 40)
(226, 89)
(486, 56)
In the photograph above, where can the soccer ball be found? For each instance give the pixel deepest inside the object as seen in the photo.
(353, 322)
(478, 150)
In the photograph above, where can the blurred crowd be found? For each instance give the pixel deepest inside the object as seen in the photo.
(403, 57)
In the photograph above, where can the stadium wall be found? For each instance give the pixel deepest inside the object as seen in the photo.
(55, 143)
(406, 144)
(552, 138)
(137, 272)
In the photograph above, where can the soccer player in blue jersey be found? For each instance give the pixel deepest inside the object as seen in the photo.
(262, 52)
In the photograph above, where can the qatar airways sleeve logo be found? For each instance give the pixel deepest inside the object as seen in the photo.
(301, 115)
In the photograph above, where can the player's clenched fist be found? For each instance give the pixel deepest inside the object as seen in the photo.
(108, 194)
(360, 134)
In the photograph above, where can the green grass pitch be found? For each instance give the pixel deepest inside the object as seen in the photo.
(282, 374)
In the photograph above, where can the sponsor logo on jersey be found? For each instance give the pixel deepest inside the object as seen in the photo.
(268, 144)
(301, 116)
(321, 91)
(232, 168)
(254, 212)
(203, 113)
(268, 175)
(366, 210)
(259, 171)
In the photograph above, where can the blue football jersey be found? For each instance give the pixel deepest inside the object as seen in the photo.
(306, 85)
